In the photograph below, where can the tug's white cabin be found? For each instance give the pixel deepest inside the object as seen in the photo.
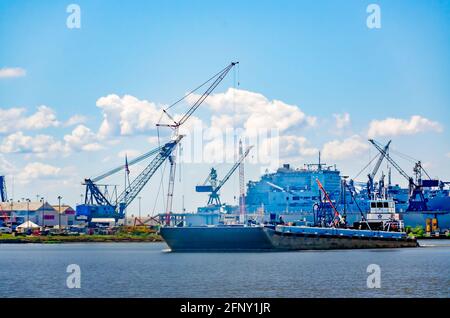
(383, 210)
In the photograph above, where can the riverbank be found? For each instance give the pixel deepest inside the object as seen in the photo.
(55, 239)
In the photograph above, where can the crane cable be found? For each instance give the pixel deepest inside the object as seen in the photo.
(196, 89)
(365, 167)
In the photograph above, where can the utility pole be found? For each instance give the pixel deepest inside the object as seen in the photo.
(28, 211)
(241, 186)
(43, 212)
(139, 198)
(11, 213)
(59, 213)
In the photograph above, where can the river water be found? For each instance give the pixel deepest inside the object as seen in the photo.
(150, 270)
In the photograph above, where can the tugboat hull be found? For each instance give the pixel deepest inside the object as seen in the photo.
(312, 241)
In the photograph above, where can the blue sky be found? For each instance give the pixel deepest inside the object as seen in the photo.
(317, 56)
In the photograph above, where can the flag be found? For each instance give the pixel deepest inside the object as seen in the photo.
(126, 165)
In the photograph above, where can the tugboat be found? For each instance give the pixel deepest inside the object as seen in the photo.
(381, 228)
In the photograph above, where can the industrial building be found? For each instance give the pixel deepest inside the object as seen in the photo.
(40, 213)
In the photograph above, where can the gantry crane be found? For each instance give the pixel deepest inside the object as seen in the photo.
(214, 185)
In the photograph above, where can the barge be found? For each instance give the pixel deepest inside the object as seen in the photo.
(382, 227)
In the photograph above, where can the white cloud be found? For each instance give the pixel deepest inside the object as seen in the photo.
(75, 120)
(6, 167)
(39, 144)
(342, 120)
(130, 153)
(448, 155)
(254, 111)
(153, 140)
(8, 72)
(127, 115)
(38, 170)
(294, 146)
(347, 148)
(396, 126)
(14, 119)
(82, 138)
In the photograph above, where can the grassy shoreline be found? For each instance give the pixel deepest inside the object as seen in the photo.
(8, 238)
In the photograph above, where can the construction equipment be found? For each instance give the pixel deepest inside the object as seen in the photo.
(175, 126)
(99, 205)
(273, 185)
(3, 194)
(371, 176)
(415, 188)
(338, 219)
(214, 185)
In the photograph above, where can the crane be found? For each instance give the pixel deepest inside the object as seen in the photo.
(175, 125)
(371, 176)
(4, 198)
(98, 204)
(415, 189)
(215, 185)
(3, 194)
(273, 185)
(337, 216)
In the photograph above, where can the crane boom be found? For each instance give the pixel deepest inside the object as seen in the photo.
(176, 125)
(391, 161)
(233, 169)
(380, 160)
(336, 213)
(216, 82)
(128, 195)
(217, 79)
(273, 185)
(131, 162)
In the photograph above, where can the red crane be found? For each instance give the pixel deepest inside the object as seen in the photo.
(336, 212)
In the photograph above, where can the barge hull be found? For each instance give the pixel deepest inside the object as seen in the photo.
(299, 241)
(216, 239)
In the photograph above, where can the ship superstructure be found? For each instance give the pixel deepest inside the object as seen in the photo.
(290, 191)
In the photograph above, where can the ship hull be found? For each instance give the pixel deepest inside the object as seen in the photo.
(216, 238)
(247, 239)
(305, 241)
